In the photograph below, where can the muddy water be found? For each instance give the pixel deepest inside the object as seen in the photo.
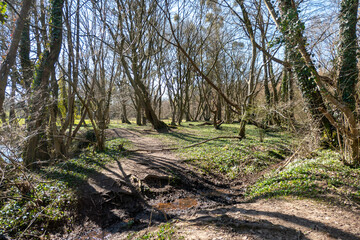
(178, 204)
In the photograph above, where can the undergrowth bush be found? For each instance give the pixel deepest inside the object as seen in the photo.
(33, 204)
(33, 209)
(323, 177)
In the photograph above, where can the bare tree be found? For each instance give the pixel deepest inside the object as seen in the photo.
(9, 61)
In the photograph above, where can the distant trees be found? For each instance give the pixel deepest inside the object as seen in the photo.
(136, 50)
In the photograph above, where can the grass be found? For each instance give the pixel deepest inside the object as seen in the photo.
(166, 231)
(230, 157)
(324, 178)
(77, 170)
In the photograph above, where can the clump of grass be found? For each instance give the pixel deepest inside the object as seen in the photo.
(324, 177)
(166, 231)
(75, 171)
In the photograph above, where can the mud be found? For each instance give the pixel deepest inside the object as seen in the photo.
(145, 189)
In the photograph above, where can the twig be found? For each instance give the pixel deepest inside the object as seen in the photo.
(34, 219)
(290, 159)
(189, 146)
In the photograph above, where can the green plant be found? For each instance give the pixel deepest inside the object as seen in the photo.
(166, 231)
(320, 178)
(232, 158)
(36, 210)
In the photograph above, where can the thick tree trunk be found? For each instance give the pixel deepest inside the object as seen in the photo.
(348, 46)
(138, 111)
(228, 118)
(26, 66)
(143, 118)
(348, 74)
(306, 81)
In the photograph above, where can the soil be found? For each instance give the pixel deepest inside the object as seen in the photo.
(137, 193)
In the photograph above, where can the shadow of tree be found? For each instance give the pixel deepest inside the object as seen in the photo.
(111, 199)
(265, 229)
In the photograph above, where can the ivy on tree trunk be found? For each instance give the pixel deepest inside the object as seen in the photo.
(348, 74)
(36, 147)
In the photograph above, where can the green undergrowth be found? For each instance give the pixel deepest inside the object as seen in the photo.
(323, 177)
(32, 210)
(166, 231)
(77, 170)
(231, 157)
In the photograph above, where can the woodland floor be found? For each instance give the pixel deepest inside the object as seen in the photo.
(132, 196)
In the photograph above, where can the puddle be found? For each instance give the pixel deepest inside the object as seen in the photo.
(178, 204)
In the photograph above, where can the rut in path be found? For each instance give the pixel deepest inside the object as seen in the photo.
(147, 186)
(145, 189)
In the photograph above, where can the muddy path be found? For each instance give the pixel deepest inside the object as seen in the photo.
(144, 189)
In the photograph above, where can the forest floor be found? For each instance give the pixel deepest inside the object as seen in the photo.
(161, 195)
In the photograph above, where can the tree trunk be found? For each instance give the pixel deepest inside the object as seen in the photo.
(306, 81)
(26, 66)
(218, 108)
(9, 61)
(124, 118)
(348, 46)
(35, 148)
(228, 118)
(348, 74)
(243, 122)
(12, 116)
(138, 111)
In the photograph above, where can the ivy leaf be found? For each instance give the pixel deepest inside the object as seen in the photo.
(3, 15)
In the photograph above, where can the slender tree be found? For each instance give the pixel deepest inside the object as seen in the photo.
(10, 58)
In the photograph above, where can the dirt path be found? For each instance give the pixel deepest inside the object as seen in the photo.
(144, 189)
